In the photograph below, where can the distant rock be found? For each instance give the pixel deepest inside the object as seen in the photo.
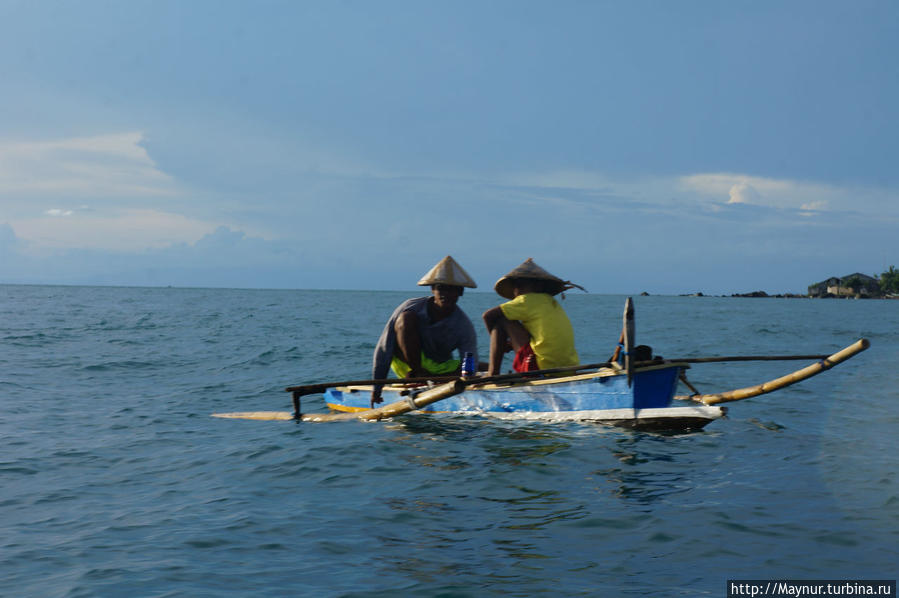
(764, 294)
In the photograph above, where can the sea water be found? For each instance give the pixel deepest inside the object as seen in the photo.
(116, 481)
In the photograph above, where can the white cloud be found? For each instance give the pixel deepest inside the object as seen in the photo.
(40, 181)
(709, 192)
(814, 206)
(99, 166)
(115, 230)
(743, 193)
(735, 188)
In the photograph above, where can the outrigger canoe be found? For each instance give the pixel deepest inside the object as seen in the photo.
(600, 395)
(622, 392)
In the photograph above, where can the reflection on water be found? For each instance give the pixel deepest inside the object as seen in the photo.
(541, 476)
(637, 467)
(647, 470)
(499, 501)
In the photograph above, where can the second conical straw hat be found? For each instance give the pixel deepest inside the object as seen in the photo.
(528, 269)
(448, 271)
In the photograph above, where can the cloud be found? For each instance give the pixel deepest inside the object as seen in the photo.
(44, 186)
(743, 193)
(114, 165)
(808, 196)
(57, 212)
(113, 230)
(814, 206)
(740, 188)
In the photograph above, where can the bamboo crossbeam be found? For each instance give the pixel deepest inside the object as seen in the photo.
(747, 358)
(309, 389)
(753, 391)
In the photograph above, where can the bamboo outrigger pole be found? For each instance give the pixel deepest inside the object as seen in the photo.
(410, 403)
(778, 383)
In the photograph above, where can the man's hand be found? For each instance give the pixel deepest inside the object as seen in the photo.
(375, 398)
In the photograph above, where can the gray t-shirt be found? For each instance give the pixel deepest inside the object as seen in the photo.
(438, 339)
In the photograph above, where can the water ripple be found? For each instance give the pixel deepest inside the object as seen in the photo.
(117, 482)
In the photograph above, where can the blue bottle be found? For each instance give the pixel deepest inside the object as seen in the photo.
(468, 365)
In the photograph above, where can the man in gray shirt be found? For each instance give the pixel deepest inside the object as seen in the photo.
(421, 335)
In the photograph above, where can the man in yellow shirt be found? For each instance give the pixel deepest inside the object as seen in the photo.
(533, 322)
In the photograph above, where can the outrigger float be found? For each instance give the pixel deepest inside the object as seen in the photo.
(621, 392)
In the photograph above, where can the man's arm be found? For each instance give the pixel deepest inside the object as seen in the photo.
(383, 354)
(492, 317)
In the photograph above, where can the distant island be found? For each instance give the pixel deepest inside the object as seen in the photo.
(851, 286)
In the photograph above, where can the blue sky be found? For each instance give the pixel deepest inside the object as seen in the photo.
(667, 147)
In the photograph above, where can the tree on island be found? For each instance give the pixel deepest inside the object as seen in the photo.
(854, 283)
(889, 281)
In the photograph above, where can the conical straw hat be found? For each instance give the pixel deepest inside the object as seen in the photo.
(528, 269)
(447, 271)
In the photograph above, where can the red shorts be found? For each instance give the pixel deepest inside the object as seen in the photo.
(525, 360)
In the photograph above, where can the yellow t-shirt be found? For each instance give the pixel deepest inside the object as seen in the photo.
(552, 337)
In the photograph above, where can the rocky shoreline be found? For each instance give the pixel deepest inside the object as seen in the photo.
(763, 294)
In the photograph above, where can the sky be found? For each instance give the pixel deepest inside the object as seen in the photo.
(629, 146)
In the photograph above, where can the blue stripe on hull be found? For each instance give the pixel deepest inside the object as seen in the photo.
(651, 389)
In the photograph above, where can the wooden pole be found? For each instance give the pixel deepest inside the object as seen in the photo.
(778, 383)
(310, 389)
(628, 332)
(746, 358)
(411, 403)
(426, 397)
(321, 387)
(683, 378)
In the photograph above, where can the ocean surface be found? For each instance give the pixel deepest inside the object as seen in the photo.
(116, 481)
